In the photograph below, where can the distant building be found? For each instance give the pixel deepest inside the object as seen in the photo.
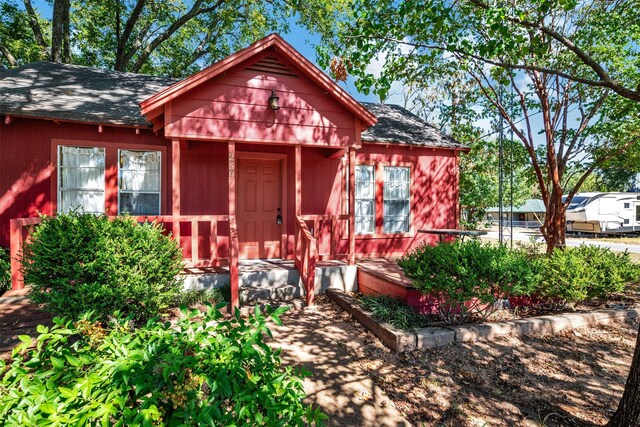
(531, 214)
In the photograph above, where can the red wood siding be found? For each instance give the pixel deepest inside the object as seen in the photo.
(434, 196)
(234, 106)
(28, 171)
(28, 181)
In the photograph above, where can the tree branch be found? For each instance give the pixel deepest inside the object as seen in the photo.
(34, 24)
(123, 39)
(8, 56)
(177, 24)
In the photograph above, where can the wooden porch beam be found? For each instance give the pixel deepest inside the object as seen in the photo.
(338, 153)
(352, 206)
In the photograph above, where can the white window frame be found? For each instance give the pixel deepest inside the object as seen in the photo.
(120, 190)
(60, 190)
(373, 198)
(407, 199)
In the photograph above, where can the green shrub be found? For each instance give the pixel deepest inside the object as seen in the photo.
(203, 371)
(5, 271)
(576, 274)
(393, 311)
(81, 262)
(469, 276)
(195, 296)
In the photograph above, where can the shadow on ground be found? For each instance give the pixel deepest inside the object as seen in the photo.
(573, 379)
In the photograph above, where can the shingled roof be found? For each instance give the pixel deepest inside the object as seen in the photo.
(400, 126)
(72, 92)
(83, 94)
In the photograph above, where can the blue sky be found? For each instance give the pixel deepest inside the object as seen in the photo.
(299, 37)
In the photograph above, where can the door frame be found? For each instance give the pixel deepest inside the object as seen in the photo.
(282, 157)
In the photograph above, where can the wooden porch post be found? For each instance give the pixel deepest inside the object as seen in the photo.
(298, 163)
(352, 206)
(175, 189)
(17, 281)
(233, 230)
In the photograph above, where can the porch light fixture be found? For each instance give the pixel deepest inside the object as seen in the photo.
(273, 101)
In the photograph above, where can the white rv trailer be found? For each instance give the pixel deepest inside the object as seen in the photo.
(604, 213)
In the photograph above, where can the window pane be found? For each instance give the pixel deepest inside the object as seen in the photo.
(82, 201)
(365, 190)
(139, 182)
(396, 209)
(396, 225)
(140, 203)
(81, 179)
(364, 224)
(365, 200)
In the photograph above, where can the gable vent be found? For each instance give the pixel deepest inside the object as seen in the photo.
(272, 65)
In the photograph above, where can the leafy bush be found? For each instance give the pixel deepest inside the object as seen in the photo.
(81, 262)
(469, 277)
(576, 274)
(203, 371)
(195, 296)
(393, 311)
(5, 271)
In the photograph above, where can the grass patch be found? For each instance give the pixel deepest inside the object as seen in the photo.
(394, 312)
(192, 297)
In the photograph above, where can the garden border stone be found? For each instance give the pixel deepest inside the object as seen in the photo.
(433, 337)
(394, 338)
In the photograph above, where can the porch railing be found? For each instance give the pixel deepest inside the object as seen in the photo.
(332, 226)
(197, 235)
(306, 248)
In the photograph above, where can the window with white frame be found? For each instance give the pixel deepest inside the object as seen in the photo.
(396, 199)
(81, 179)
(139, 182)
(365, 215)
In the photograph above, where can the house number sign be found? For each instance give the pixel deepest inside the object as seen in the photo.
(231, 165)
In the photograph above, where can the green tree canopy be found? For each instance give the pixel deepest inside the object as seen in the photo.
(171, 38)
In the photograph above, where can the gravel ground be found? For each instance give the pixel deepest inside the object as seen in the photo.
(574, 378)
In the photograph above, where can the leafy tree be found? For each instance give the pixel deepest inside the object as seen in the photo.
(524, 69)
(172, 38)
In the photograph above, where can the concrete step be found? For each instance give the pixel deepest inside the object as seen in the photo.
(265, 293)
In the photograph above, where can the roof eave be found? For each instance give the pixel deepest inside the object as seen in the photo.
(411, 144)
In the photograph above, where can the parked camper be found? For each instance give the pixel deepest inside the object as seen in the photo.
(604, 213)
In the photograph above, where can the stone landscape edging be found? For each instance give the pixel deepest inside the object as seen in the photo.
(433, 337)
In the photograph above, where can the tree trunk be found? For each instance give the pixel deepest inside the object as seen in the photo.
(554, 226)
(60, 49)
(628, 413)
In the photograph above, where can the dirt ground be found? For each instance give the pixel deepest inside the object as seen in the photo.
(573, 379)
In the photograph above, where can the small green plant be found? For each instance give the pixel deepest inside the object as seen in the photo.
(469, 277)
(80, 262)
(192, 297)
(205, 370)
(5, 271)
(393, 311)
(576, 274)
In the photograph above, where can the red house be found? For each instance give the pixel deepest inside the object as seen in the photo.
(260, 155)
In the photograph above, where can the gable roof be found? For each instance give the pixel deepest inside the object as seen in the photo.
(75, 93)
(272, 41)
(399, 125)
